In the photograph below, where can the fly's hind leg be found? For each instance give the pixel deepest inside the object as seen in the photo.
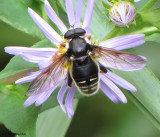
(70, 81)
(102, 68)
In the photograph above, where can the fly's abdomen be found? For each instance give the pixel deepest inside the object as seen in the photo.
(86, 76)
(88, 86)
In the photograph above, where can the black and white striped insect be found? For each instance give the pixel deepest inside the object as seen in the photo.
(82, 62)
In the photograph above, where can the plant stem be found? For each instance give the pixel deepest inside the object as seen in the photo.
(148, 30)
(149, 5)
(145, 30)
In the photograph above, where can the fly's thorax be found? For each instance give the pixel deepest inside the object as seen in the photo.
(78, 47)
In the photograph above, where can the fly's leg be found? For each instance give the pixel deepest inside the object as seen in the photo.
(70, 81)
(102, 68)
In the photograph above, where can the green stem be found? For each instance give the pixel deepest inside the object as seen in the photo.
(145, 30)
(148, 30)
(149, 5)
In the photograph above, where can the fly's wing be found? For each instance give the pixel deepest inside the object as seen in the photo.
(117, 59)
(49, 78)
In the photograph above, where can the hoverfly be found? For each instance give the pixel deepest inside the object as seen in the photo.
(81, 64)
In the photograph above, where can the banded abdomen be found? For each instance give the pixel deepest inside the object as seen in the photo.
(86, 76)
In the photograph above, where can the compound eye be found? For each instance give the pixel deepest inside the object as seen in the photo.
(69, 34)
(74, 33)
(80, 31)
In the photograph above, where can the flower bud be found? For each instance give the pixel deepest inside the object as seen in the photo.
(122, 13)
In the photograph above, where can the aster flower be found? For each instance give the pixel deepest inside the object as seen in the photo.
(46, 57)
(122, 13)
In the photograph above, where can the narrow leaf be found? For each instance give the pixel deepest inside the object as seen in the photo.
(152, 17)
(13, 115)
(53, 122)
(14, 13)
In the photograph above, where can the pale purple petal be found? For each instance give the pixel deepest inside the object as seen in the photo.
(124, 42)
(137, 0)
(131, 45)
(30, 100)
(78, 13)
(50, 33)
(144, 58)
(69, 101)
(44, 63)
(116, 18)
(34, 55)
(44, 96)
(31, 58)
(121, 9)
(120, 81)
(53, 16)
(29, 73)
(131, 14)
(108, 92)
(119, 23)
(114, 88)
(70, 12)
(44, 52)
(61, 94)
(115, 15)
(27, 79)
(108, 3)
(88, 16)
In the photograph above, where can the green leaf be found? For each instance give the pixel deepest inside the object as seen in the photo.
(149, 4)
(14, 13)
(22, 120)
(106, 5)
(154, 38)
(14, 116)
(53, 122)
(147, 95)
(128, 120)
(152, 17)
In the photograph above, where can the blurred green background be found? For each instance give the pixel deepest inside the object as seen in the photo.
(96, 116)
